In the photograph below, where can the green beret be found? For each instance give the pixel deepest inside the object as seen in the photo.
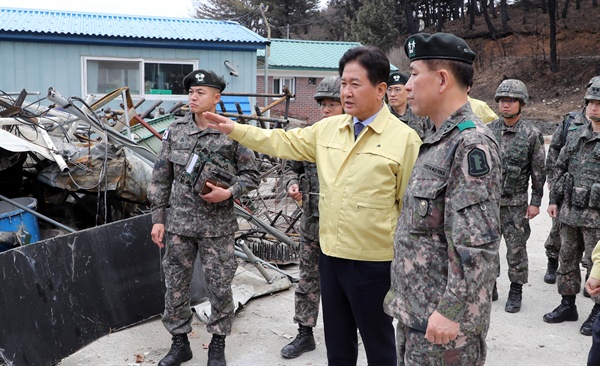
(203, 78)
(397, 77)
(424, 46)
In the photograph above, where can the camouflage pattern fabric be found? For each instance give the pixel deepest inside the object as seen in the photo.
(576, 242)
(422, 125)
(415, 350)
(218, 264)
(578, 167)
(516, 231)
(523, 156)
(195, 226)
(305, 175)
(308, 289)
(173, 201)
(559, 137)
(557, 142)
(448, 234)
(552, 243)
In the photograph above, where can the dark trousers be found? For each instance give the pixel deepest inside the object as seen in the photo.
(352, 294)
(594, 356)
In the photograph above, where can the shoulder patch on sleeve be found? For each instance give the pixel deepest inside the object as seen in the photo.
(465, 125)
(478, 164)
(165, 135)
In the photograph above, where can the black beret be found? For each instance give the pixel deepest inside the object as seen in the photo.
(396, 77)
(423, 46)
(203, 78)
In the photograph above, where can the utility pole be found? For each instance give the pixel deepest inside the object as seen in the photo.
(263, 10)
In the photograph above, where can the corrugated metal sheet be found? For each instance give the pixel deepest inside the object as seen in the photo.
(286, 53)
(124, 26)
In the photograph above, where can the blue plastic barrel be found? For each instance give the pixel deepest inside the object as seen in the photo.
(16, 220)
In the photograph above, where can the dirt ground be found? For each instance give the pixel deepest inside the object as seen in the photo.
(264, 325)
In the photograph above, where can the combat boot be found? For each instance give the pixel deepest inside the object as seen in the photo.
(216, 351)
(304, 342)
(566, 311)
(515, 295)
(588, 324)
(180, 351)
(495, 292)
(550, 276)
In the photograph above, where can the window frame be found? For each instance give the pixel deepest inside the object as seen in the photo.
(280, 91)
(141, 69)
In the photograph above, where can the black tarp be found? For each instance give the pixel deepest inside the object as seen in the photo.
(60, 294)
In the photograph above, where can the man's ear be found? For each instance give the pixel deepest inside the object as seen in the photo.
(444, 76)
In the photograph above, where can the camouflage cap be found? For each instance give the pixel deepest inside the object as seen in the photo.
(512, 88)
(203, 78)
(593, 91)
(423, 46)
(592, 80)
(397, 77)
(329, 88)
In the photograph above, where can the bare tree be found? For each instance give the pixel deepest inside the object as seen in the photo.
(552, 13)
(488, 21)
(504, 15)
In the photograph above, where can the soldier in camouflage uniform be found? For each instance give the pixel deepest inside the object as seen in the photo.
(396, 97)
(523, 155)
(576, 188)
(303, 186)
(559, 137)
(191, 223)
(448, 234)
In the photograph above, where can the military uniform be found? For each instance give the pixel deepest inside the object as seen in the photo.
(578, 188)
(446, 242)
(559, 138)
(194, 226)
(308, 290)
(523, 156)
(421, 125)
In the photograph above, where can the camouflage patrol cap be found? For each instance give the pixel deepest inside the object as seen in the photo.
(329, 88)
(593, 92)
(512, 88)
(397, 77)
(592, 80)
(203, 78)
(423, 46)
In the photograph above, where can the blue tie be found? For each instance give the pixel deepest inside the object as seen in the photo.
(357, 128)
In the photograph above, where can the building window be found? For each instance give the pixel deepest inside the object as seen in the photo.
(103, 75)
(280, 83)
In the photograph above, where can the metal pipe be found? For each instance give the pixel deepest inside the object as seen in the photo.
(38, 215)
(252, 259)
(240, 254)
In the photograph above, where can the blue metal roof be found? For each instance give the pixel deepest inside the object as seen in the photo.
(48, 25)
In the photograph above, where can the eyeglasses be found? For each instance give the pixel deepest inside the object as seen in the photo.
(508, 100)
(394, 90)
(329, 105)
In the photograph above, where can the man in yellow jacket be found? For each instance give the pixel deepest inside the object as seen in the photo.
(364, 159)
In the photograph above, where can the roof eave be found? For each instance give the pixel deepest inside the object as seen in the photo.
(130, 42)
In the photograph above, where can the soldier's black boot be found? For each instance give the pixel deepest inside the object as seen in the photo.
(550, 276)
(566, 311)
(216, 351)
(588, 324)
(180, 351)
(515, 295)
(585, 293)
(304, 342)
(495, 292)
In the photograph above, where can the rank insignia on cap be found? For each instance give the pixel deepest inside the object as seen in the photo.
(396, 77)
(200, 77)
(411, 48)
(478, 164)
